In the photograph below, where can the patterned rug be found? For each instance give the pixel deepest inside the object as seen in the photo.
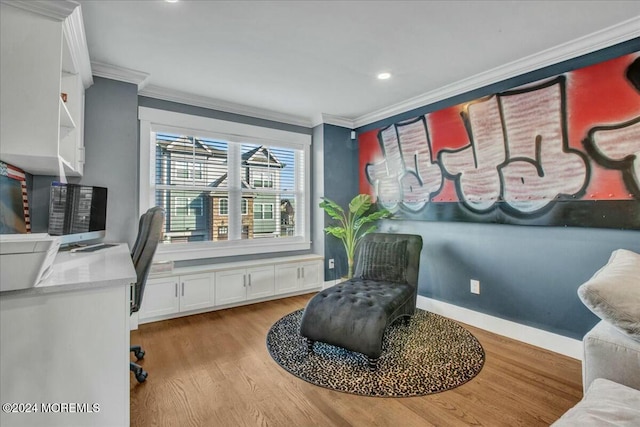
(430, 355)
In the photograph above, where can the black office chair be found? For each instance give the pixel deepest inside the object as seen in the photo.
(149, 234)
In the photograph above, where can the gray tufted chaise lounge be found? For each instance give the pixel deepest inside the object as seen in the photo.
(355, 314)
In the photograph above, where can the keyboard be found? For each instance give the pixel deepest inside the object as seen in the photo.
(94, 248)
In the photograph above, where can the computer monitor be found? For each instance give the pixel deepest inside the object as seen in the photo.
(77, 213)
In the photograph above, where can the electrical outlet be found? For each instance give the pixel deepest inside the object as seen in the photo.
(331, 264)
(475, 286)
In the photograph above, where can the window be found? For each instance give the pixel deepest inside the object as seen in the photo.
(223, 232)
(188, 170)
(223, 208)
(263, 180)
(230, 187)
(187, 206)
(263, 211)
(182, 170)
(267, 211)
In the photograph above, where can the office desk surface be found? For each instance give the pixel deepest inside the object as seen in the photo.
(66, 341)
(71, 271)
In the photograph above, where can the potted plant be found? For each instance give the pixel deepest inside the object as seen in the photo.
(353, 223)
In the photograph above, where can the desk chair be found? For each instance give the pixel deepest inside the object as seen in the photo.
(149, 234)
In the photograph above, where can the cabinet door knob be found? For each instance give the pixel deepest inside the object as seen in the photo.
(176, 289)
(298, 272)
(303, 272)
(182, 288)
(244, 280)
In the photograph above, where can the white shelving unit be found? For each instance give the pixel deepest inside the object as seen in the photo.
(44, 55)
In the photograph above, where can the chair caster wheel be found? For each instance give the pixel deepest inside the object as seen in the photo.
(141, 376)
(139, 354)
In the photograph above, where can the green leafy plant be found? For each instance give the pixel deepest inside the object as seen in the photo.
(353, 223)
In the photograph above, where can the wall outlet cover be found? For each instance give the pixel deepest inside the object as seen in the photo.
(475, 286)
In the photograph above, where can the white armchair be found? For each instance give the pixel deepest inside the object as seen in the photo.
(611, 359)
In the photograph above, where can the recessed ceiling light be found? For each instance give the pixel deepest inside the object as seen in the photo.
(171, 1)
(384, 76)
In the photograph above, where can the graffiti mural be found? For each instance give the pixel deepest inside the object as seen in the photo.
(563, 151)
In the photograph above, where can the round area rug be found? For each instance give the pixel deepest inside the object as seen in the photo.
(430, 355)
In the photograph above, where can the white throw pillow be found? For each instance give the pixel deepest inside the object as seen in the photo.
(613, 293)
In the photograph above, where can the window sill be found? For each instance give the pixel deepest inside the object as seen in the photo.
(200, 250)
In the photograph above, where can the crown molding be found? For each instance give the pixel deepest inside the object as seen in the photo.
(141, 79)
(173, 95)
(113, 72)
(329, 119)
(607, 37)
(54, 9)
(73, 27)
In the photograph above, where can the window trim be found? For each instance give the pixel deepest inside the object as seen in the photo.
(153, 120)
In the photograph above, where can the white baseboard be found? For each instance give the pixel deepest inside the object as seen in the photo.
(329, 283)
(544, 339)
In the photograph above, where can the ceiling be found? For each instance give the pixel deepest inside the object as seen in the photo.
(300, 60)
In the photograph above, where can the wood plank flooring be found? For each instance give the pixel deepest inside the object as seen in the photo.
(213, 369)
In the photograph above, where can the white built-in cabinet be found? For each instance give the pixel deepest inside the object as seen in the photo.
(44, 58)
(244, 284)
(198, 289)
(176, 294)
(293, 277)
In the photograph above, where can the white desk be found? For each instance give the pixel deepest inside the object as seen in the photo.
(65, 342)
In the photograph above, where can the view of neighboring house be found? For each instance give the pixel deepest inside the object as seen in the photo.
(192, 185)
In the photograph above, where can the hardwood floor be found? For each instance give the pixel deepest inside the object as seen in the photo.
(214, 369)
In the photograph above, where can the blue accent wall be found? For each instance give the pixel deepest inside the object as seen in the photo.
(112, 153)
(340, 185)
(527, 274)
